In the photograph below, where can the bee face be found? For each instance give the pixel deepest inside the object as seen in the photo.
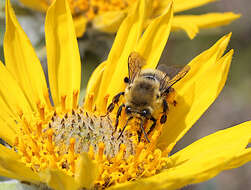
(138, 113)
(140, 97)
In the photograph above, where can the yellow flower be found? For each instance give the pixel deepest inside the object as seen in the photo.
(68, 147)
(107, 15)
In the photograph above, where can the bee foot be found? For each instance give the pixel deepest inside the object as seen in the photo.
(163, 119)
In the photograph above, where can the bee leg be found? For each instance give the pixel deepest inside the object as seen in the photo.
(124, 128)
(171, 96)
(165, 109)
(153, 125)
(115, 100)
(143, 130)
(118, 115)
(139, 135)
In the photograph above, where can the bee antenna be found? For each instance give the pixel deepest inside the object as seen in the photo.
(142, 128)
(124, 128)
(173, 84)
(168, 88)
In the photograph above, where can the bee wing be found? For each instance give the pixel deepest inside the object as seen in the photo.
(170, 70)
(166, 83)
(135, 63)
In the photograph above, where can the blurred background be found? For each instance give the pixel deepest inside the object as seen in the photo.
(232, 107)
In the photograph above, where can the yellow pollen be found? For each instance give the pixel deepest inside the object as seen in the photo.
(75, 99)
(91, 153)
(63, 102)
(105, 103)
(39, 129)
(41, 110)
(121, 153)
(55, 140)
(89, 102)
(101, 151)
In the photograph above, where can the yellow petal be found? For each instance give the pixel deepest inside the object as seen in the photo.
(241, 158)
(11, 94)
(7, 133)
(232, 140)
(161, 7)
(40, 5)
(93, 86)
(95, 78)
(6, 111)
(6, 173)
(58, 180)
(179, 5)
(182, 5)
(109, 21)
(64, 65)
(155, 37)
(80, 23)
(201, 160)
(86, 171)
(192, 23)
(8, 116)
(11, 166)
(128, 35)
(196, 91)
(22, 62)
(210, 155)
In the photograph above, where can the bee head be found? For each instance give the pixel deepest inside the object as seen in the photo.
(144, 112)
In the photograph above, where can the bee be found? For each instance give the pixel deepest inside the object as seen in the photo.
(145, 94)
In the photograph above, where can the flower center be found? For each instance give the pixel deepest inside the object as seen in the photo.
(89, 131)
(56, 140)
(92, 8)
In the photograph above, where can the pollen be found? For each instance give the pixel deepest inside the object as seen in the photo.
(54, 139)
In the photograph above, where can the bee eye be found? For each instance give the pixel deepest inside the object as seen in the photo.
(126, 80)
(128, 110)
(157, 96)
(167, 91)
(145, 112)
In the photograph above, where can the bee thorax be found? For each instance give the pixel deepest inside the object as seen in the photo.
(142, 93)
